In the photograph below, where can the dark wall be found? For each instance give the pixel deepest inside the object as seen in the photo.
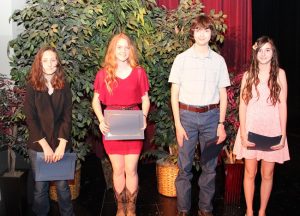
(281, 20)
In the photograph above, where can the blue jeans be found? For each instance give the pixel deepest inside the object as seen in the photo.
(41, 203)
(200, 128)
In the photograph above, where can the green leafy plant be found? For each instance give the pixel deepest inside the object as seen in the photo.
(232, 116)
(80, 31)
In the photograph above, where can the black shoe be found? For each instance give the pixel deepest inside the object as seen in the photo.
(204, 213)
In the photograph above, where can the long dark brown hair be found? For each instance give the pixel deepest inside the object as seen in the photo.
(36, 77)
(252, 76)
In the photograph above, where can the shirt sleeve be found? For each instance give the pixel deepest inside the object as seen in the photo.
(143, 81)
(66, 118)
(175, 70)
(32, 119)
(100, 86)
(224, 80)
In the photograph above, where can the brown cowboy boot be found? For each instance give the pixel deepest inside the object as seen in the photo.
(131, 202)
(121, 203)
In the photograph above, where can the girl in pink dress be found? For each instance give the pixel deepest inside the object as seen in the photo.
(262, 110)
(122, 84)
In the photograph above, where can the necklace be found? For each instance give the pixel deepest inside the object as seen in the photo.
(48, 73)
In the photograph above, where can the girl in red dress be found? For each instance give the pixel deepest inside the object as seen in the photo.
(120, 84)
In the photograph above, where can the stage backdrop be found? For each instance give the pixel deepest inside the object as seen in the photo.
(238, 39)
(170, 4)
(281, 21)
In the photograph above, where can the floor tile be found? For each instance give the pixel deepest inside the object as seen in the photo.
(95, 200)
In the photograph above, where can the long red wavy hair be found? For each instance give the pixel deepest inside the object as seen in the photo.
(110, 62)
(252, 78)
(36, 77)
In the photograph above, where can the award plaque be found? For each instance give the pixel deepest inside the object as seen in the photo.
(63, 169)
(124, 124)
(262, 143)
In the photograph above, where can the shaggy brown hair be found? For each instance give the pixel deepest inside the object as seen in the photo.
(205, 22)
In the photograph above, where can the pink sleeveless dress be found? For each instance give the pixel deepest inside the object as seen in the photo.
(262, 118)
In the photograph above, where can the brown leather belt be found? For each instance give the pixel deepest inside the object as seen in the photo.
(121, 107)
(199, 109)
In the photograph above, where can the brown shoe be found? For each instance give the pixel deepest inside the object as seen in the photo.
(131, 202)
(121, 203)
(204, 213)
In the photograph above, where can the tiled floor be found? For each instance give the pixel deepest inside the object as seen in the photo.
(284, 200)
(95, 200)
(151, 203)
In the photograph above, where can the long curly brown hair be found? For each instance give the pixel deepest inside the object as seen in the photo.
(36, 77)
(110, 62)
(252, 75)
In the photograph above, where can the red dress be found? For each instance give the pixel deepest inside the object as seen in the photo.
(126, 92)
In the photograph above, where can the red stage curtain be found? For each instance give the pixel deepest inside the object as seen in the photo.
(170, 4)
(238, 38)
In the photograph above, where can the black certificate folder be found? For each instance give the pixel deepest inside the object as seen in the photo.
(61, 170)
(124, 124)
(263, 143)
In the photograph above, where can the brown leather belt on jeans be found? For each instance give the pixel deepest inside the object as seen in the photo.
(199, 109)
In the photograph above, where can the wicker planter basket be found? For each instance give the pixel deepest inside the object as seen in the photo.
(166, 174)
(73, 184)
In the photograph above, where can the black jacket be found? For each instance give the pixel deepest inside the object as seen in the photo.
(48, 116)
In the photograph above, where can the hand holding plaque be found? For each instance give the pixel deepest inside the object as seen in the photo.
(263, 143)
(63, 169)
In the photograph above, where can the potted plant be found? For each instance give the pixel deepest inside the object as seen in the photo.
(232, 116)
(234, 169)
(167, 171)
(11, 136)
(12, 181)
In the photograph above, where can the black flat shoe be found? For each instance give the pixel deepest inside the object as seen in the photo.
(183, 214)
